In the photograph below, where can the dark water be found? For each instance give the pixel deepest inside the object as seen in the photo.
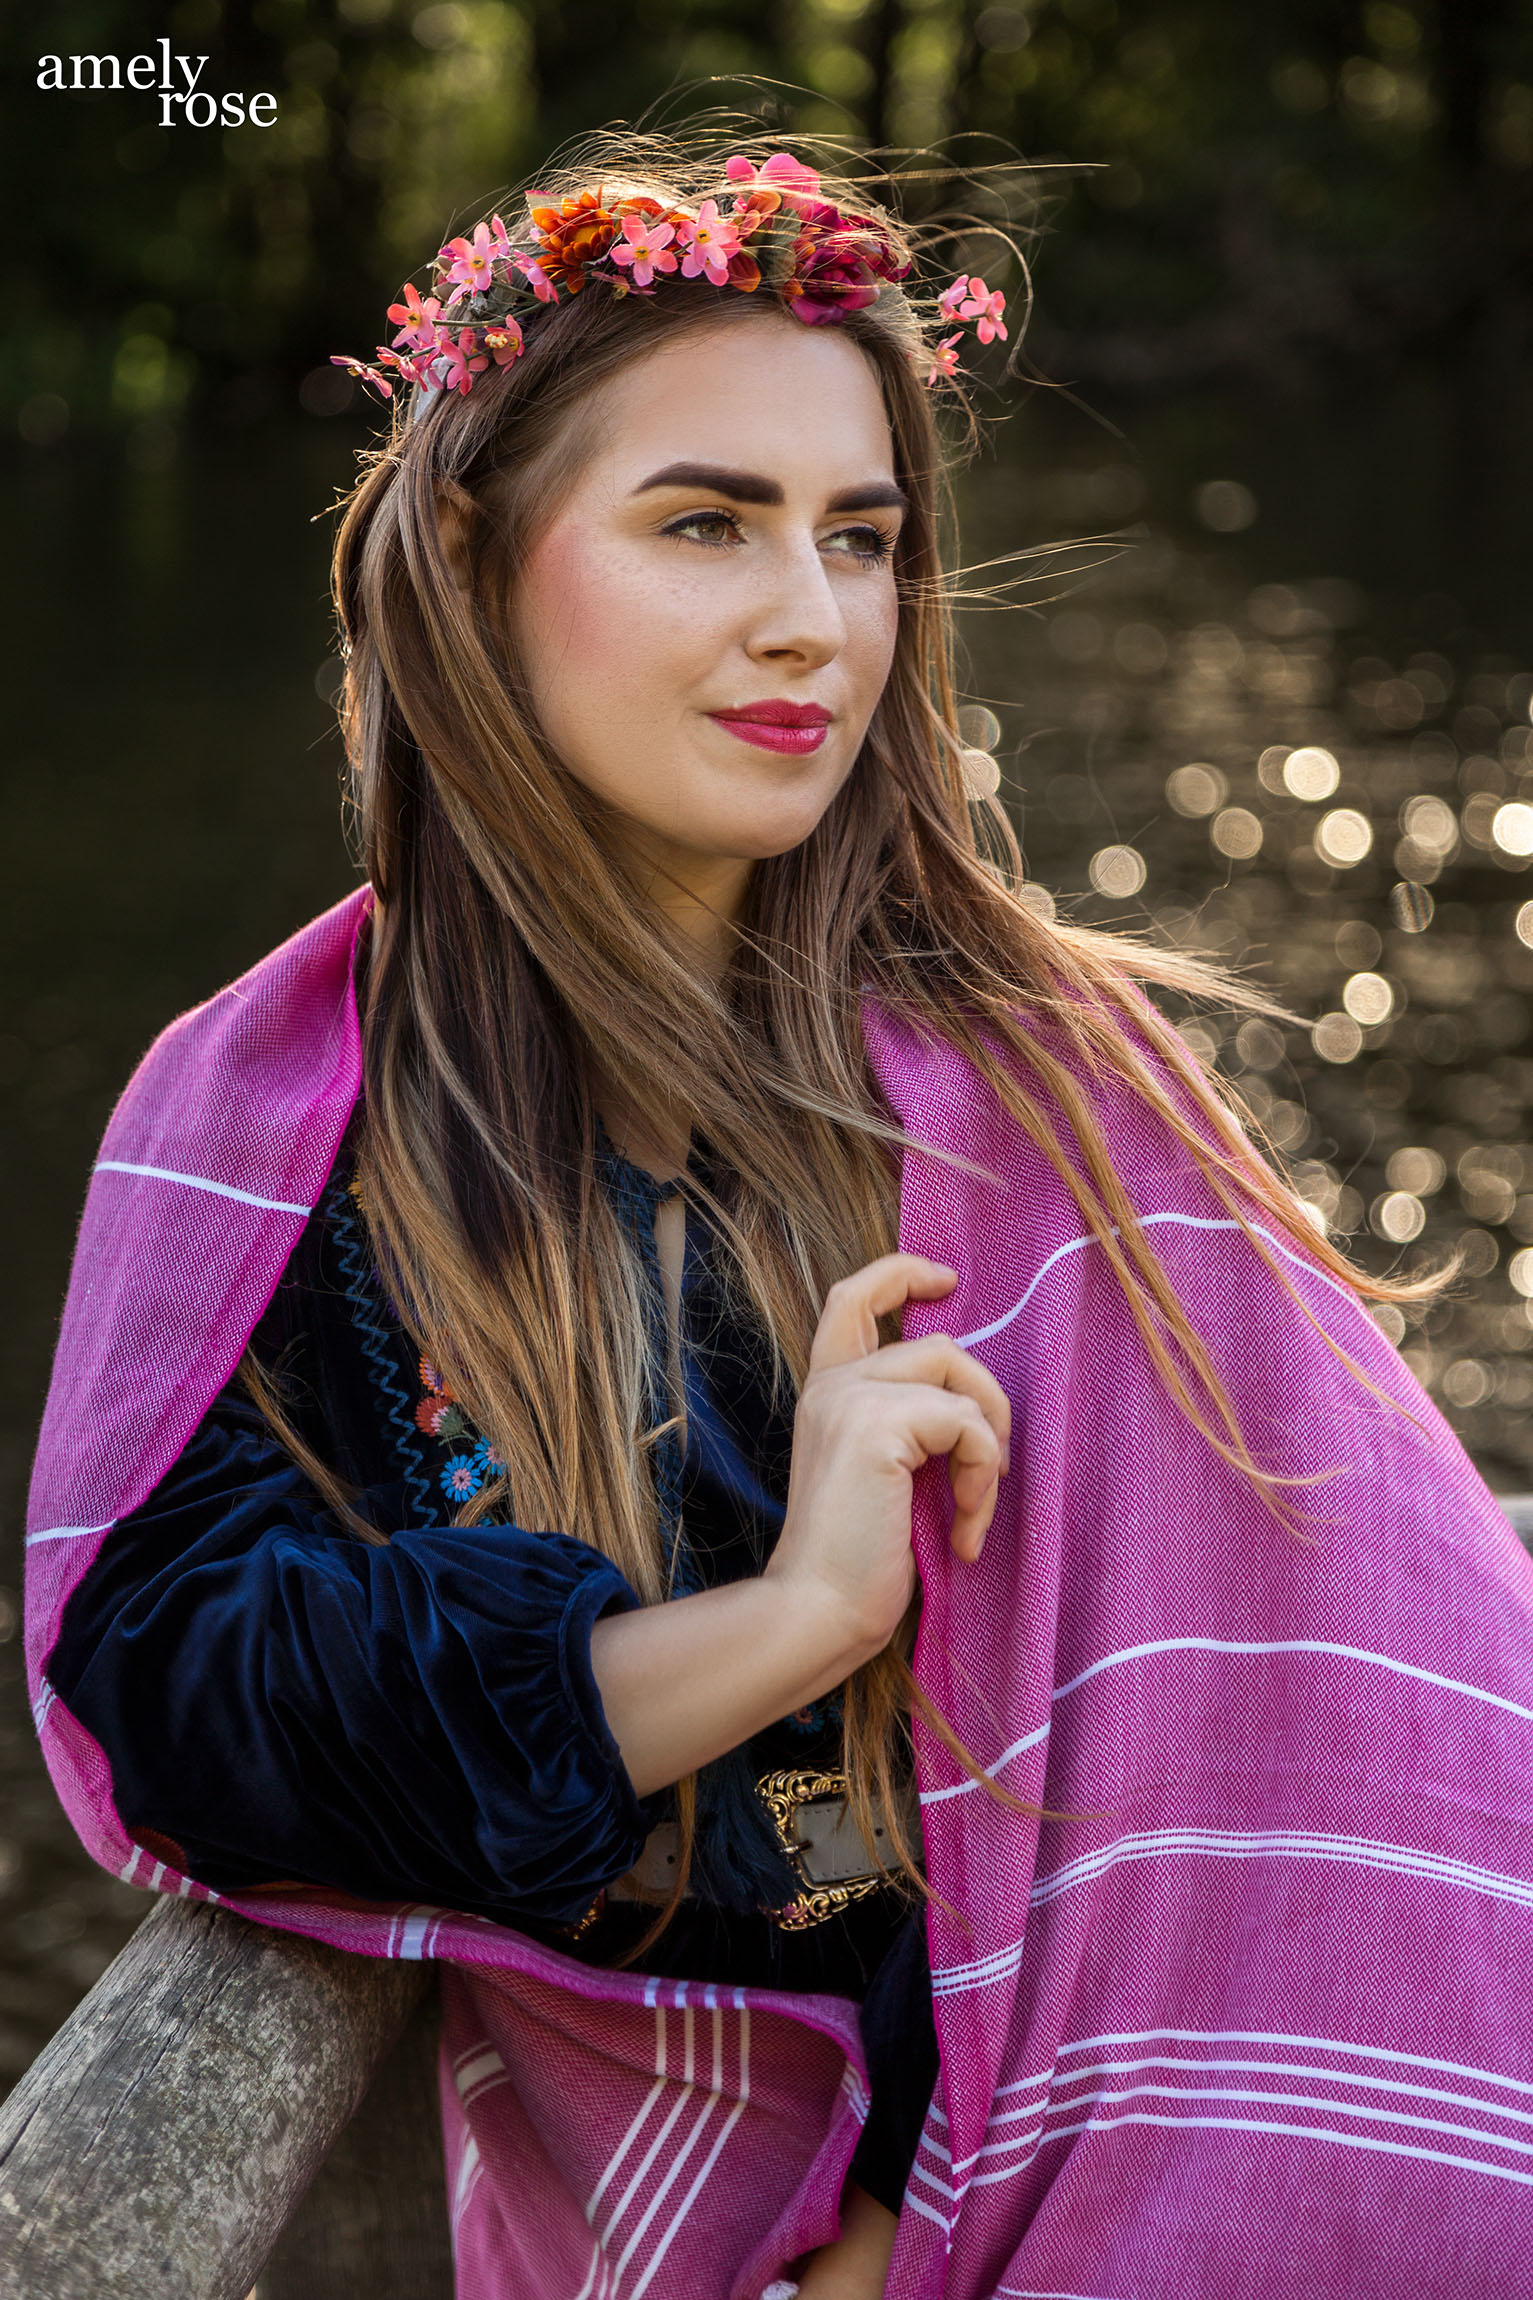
(171, 811)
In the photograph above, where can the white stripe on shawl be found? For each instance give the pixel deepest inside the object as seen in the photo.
(657, 2144)
(1338, 2076)
(1242, 1649)
(637, 2126)
(470, 2172)
(714, 2153)
(1363, 2112)
(1246, 1648)
(709, 2102)
(1149, 1222)
(1351, 2079)
(597, 2268)
(914, 2204)
(68, 1532)
(200, 1182)
(1284, 1844)
(1361, 2140)
(1279, 1844)
(1339, 2045)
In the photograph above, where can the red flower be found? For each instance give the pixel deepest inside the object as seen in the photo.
(839, 264)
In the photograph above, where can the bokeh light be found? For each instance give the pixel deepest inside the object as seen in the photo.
(1344, 837)
(1468, 1382)
(1398, 1216)
(1236, 832)
(1368, 998)
(1037, 899)
(1430, 823)
(1416, 1169)
(979, 727)
(1520, 1271)
(1225, 506)
(1258, 1045)
(1310, 773)
(1413, 909)
(1117, 872)
(1197, 789)
(1512, 828)
(1336, 1038)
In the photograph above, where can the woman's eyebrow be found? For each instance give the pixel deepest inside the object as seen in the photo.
(751, 487)
(877, 495)
(744, 486)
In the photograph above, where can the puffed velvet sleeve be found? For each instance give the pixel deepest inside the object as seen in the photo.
(412, 1722)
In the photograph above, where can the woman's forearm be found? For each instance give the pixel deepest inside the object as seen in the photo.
(683, 1682)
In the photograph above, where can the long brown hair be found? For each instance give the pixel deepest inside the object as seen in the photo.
(513, 966)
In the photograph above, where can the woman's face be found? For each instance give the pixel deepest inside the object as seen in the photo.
(708, 621)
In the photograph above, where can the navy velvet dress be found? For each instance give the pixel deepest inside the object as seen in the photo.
(279, 1701)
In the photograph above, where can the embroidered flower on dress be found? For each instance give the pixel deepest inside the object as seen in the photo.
(461, 1479)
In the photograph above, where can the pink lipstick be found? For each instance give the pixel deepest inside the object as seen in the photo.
(794, 729)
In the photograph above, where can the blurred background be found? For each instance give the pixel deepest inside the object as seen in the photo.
(1284, 300)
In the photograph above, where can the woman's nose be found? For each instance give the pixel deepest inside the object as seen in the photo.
(798, 614)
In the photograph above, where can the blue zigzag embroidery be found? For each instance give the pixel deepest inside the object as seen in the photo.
(367, 1315)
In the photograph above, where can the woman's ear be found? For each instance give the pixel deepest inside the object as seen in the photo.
(458, 517)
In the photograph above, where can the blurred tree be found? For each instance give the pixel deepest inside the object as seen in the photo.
(1297, 200)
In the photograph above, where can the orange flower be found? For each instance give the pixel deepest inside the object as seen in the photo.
(751, 209)
(577, 232)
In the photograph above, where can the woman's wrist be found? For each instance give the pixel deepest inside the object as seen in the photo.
(685, 1681)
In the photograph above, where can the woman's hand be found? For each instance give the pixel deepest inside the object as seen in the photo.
(682, 1682)
(867, 1418)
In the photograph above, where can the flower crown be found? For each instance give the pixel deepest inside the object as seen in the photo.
(822, 263)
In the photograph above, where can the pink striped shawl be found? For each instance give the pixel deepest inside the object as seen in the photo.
(1246, 2014)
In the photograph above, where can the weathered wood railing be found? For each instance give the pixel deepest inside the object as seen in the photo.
(232, 2106)
(169, 2134)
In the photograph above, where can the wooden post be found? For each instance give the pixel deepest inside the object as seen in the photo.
(374, 2224)
(164, 2138)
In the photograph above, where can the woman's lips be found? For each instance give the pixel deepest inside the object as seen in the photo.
(792, 728)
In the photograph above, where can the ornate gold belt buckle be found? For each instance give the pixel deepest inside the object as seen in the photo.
(822, 1845)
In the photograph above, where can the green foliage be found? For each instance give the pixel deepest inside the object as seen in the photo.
(1238, 186)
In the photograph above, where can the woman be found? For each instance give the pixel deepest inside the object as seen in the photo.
(547, 1558)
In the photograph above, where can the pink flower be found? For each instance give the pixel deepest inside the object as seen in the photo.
(503, 341)
(366, 374)
(471, 262)
(537, 278)
(710, 242)
(416, 320)
(945, 359)
(781, 170)
(987, 309)
(645, 245)
(461, 367)
(952, 297)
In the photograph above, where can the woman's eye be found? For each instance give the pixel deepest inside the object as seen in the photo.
(706, 527)
(869, 544)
